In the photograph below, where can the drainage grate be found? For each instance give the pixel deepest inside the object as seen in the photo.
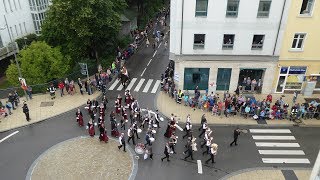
(45, 104)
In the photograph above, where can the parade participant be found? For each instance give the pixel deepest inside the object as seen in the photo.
(103, 134)
(89, 104)
(206, 137)
(128, 98)
(112, 115)
(25, 110)
(149, 152)
(91, 128)
(145, 120)
(203, 119)
(102, 110)
(100, 120)
(236, 133)
(188, 126)
(52, 91)
(122, 142)
(172, 142)
(166, 152)
(122, 123)
(157, 119)
(105, 102)
(213, 152)
(189, 151)
(119, 99)
(135, 129)
(171, 127)
(114, 128)
(130, 135)
(79, 117)
(117, 107)
(148, 141)
(208, 145)
(204, 128)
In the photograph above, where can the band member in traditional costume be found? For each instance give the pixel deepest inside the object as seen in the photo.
(145, 120)
(119, 99)
(105, 102)
(103, 134)
(188, 127)
(114, 128)
(127, 98)
(213, 152)
(172, 142)
(118, 107)
(79, 117)
(100, 121)
(171, 127)
(102, 109)
(135, 129)
(89, 104)
(157, 119)
(91, 128)
(131, 135)
(52, 91)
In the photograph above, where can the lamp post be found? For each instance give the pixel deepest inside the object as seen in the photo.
(14, 53)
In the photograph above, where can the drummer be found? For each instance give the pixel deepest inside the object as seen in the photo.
(172, 142)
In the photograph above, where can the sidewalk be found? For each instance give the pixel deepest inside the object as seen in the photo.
(270, 174)
(166, 106)
(39, 112)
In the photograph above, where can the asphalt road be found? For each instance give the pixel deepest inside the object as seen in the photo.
(18, 152)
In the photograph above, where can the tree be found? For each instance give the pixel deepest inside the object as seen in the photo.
(39, 63)
(84, 28)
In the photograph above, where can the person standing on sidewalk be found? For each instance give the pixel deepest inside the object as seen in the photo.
(236, 133)
(11, 100)
(66, 82)
(26, 111)
(29, 92)
(122, 142)
(166, 152)
(61, 87)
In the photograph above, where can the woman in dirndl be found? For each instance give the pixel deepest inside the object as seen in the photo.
(91, 128)
(103, 134)
(79, 117)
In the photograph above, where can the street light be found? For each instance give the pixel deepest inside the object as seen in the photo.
(14, 51)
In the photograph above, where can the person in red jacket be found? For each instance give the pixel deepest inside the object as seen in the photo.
(61, 87)
(269, 98)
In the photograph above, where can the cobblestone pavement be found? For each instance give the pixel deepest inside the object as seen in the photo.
(37, 113)
(167, 105)
(83, 158)
(265, 174)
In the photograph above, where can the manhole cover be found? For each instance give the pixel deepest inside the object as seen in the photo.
(45, 104)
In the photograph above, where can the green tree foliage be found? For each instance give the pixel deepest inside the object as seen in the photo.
(84, 28)
(26, 40)
(39, 64)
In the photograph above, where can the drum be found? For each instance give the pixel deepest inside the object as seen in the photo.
(152, 139)
(139, 130)
(153, 131)
(155, 126)
(139, 149)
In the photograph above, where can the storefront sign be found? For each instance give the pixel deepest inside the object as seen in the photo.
(297, 70)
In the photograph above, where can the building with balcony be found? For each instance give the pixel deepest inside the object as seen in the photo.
(299, 62)
(219, 45)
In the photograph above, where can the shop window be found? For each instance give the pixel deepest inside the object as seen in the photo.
(201, 7)
(257, 42)
(264, 8)
(223, 79)
(196, 77)
(297, 42)
(295, 77)
(199, 40)
(228, 40)
(306, 7)
(232, 8)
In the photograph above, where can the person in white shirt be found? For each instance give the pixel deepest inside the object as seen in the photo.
(188, 127)
(213, 152)
(122, 142)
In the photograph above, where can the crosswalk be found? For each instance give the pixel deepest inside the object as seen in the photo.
(146, 85)
(278, 146)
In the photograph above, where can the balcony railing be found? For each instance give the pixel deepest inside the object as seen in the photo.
(8, 50)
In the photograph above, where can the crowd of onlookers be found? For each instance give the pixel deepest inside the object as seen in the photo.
(10, 105)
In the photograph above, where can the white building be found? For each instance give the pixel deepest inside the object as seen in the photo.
(19, 18)
(217, 43)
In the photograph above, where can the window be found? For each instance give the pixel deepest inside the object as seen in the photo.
(257, 42)
(5, 5)
(297, 42)
(306, 7)
(201, 7)
(228, 40)
(196, 77)
(15, 6)
(15, 27)
(264, 8)
(199, 40)
(232, 8)
(25, 28)
(223, 79)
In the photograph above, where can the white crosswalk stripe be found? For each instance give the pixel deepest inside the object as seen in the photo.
(273, 148)
(146, 88)
(138, 84)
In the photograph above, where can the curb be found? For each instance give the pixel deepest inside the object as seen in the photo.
(231, 125)
(132, 153)
(261, 168)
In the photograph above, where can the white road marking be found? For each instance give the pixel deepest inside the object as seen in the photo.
(270, 131)
(114, 84)
(274, 137)
(281, 152)
(155, 87)
(146, 88)
(131, 84)
(271, 144)
(139, 85)
(149, 62)
(120, 87)
(286, 160)
(159, 45)
(154, 53)
(3, 139)
(199, 166)
(177, 126)
(143, 72)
